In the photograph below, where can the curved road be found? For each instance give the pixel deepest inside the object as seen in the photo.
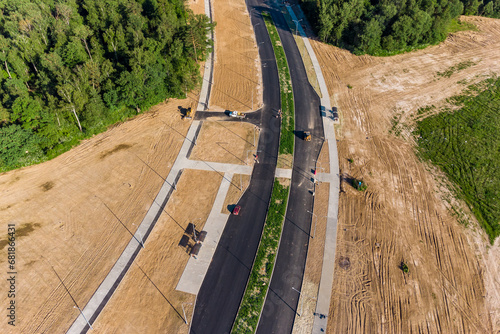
(222, 290)
(281, 302)
(220, 294)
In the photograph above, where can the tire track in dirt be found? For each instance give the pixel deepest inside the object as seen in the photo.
(401, 216)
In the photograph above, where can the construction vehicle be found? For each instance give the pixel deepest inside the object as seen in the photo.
(335, 115)
(307, 136)
(188, 113)
(237, 114)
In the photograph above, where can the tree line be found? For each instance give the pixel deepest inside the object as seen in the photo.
(70, 68)
(381, 27)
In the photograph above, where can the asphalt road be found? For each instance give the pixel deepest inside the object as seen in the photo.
(281, 303)
(222, 290)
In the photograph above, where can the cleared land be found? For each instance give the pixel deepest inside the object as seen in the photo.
(229, 142)
(69, 209)
(146, 301)
(237, 76)
(402, 217)
(60, 209)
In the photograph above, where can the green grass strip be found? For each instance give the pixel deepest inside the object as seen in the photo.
(465, 144)
(255, 293)
(287, 105)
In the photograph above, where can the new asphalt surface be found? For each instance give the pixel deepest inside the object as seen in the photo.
(220, 294)
(224, 285)
(281, 302)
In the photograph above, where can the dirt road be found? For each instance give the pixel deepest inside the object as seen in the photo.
(402, 216)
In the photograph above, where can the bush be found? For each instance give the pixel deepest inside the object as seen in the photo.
(18, 147)
(359, 184)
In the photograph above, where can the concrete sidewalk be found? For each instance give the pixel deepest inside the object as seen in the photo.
(326, 282)
(104, 292)
(197, 267)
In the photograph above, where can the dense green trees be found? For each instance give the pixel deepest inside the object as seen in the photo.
(69, 68)
(383, 27)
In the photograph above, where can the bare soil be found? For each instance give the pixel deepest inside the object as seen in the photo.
(237, 188)
(146, 300)
(69, 213)
(229, 142)
(452, 284)
(68, 210)
(237, 69)
(197, 6)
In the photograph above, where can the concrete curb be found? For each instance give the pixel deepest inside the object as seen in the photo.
(327, 272)
(109, 285)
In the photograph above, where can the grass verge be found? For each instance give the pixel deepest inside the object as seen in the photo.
(260, 276)
(465, 144)
(287, 103)
(255, 293)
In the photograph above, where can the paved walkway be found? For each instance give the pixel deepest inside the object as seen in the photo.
(326, 282)
(104, 292)
(197, 267)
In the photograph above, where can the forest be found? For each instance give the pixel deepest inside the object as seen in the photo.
(387, 27)
(70, 68)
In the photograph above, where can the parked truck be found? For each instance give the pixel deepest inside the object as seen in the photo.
(237, 114)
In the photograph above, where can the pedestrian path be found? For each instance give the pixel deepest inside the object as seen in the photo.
(197, 267)
(326, 281)
(108, 286)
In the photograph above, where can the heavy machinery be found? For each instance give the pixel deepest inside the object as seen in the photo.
(237, 114)
(188, 113)
(307, 136)
(335, 115)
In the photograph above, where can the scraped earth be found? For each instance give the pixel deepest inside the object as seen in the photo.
(228, 142)
(237, 83)
(452, 284)
(71, 210)
(146, 301)
(69, 213)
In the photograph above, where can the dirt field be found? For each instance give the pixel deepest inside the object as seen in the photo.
(238, 186)
(146, 301)
(67, 211)
(197, 6)
(452, 284)
(237, 75)
(230, 142)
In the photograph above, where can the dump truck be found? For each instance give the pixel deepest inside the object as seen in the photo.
(237, 114)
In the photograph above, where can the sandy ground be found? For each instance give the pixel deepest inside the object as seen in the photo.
(146, 301)
(238, 186)
(197, 6)
(70, 207)
(451, 286)
(230, 142)
(67, 214)
(237, 76)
